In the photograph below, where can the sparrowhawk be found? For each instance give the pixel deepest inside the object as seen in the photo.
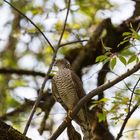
(67, 89)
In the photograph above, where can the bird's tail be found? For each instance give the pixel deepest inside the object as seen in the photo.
(86, 127)
(87, 132)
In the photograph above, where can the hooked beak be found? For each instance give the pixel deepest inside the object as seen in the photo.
(54, 69)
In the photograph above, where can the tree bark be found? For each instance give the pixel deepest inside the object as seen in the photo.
(7, 132)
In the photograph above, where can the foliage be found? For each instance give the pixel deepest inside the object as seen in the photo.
(23, 47)
(131, 37)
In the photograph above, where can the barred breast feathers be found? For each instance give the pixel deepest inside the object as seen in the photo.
(66, 88)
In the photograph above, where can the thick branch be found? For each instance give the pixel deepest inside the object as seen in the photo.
(9, 133)
(92, 94)
(18, 110)
(21, 72)
(87, 55)
(89, 48)
(101, 78)
(137, 8)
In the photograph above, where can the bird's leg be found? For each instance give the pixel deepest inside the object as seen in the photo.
(69, 114)
(68, 117)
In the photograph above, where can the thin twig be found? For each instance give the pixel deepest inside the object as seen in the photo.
(31, 23)
(64, 26)
(73, 42)
(131, 98)
(90, 95)
(126, 120)
(47, 75)
(39, 96)
(130, 112)
(131, 130)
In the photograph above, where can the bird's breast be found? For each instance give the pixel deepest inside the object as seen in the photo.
(65, 87)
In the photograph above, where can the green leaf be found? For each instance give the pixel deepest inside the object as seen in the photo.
(113, 63)
(104, 100)
(106, 60)
(126, 33)
(123, 60)
(136, 35)
(107, 48)
(137, 59)
(101, 117)
(101, 58)
(132, 59)
(131, 26)
(121, 43)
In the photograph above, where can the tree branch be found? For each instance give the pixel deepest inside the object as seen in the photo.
(126, 120)
(89, 48)
(18, 110)
(7, 132)
(130, 112)
(101, 78)
(21, 72)
(49, 102)
(64, 26)
(131, 98)
(90, 95)
(73, 42)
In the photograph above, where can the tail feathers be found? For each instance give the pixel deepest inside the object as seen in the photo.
(87, 132)
(87, 127)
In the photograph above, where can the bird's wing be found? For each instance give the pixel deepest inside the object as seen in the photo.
(81, 118)
(56, 95)
(78, 85)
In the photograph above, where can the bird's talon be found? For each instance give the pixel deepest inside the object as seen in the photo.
(68, 117)
(69, 114)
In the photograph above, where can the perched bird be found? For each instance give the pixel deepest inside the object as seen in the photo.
(67, 89)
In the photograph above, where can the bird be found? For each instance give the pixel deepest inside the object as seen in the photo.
(67, 89)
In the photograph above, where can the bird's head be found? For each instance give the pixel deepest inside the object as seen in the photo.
(62, 63)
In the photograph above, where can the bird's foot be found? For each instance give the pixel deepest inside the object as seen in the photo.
(69, 114)
(68, 117)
